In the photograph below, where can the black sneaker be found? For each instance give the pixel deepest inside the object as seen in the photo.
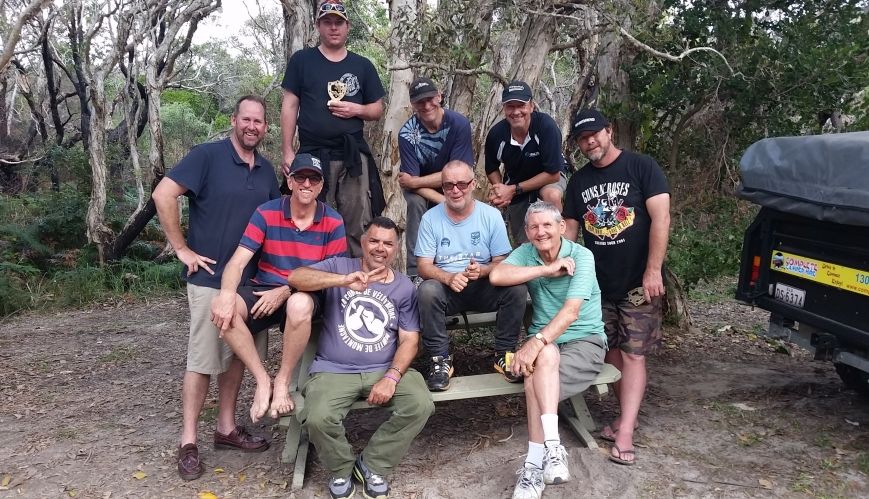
(502, 367)
(416, 280)
(341, 487)
(374, 486)
(440, 373)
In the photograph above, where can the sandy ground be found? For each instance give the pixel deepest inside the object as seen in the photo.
(90, 408)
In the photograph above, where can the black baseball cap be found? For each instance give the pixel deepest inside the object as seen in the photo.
(335, 7)
(588, 120)
(516, 90)
(422, 88)
(306, 162)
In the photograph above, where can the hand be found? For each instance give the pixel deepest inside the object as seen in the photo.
(269, 301)
(458, 282)
(523, 360)
(561, 267)
(501, 194)
(407, 181)
(223, 311)
(194, 261)
(473, 270)
(288, 160)
(358, 281)
(653, 284)
(343, 109)
(382, 392)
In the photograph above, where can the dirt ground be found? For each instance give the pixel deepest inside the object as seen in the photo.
(90, 408)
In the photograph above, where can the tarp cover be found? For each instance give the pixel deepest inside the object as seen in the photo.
(823, 177)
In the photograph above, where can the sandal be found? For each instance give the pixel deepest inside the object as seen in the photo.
(621, 457)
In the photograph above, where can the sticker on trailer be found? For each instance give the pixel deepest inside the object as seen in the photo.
(837, 276)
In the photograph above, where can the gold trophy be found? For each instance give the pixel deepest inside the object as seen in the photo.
(336, 90)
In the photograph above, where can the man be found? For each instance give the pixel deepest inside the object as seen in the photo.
(292, 231)
(528, 144)
(331, 128)
(370, 336)
(224, 182)
(565, 347)
(431, 138)
(460, 242)
(623, 201)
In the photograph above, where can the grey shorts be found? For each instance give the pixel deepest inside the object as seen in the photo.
(580, 363)
(516, 212)
(206, 352)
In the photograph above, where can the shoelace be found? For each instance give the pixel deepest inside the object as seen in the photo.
(440, 367)
(555, 455)
(375, 479)
(339, 481)
(529, 477)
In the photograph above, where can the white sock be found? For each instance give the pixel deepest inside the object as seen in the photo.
(535, 455)
(550, 429)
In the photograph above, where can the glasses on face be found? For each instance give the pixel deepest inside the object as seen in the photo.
(463, 186)
(301, 179)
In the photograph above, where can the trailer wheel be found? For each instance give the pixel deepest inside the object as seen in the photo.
(854, 378)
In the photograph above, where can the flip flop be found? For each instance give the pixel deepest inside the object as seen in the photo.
(611, 438)
(620, 459)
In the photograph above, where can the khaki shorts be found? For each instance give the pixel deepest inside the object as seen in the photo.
(206, 352)
(634, 329)
(579, 364)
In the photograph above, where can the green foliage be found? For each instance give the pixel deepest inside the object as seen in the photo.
(202, 106)
(86, 284)
(705, 242)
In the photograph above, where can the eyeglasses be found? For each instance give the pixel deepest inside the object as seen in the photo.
(313, 179)
(337, 7)
(463, 186)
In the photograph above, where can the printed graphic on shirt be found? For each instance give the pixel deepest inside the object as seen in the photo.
(352, 83)
(607, 216)
(366, 320)
(427, 145)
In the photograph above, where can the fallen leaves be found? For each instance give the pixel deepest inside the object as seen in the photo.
(205, 494)
(139, 475)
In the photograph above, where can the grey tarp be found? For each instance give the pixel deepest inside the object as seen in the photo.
(823, 177)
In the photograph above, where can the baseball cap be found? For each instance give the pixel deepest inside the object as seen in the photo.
(588, 120)
(305, 162)
(422, 88)
(516, 90)
(335, 7)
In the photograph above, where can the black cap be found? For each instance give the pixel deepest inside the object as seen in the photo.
(334, 7)
(518, 91)
(422, 88)
(306, 162)
(588, 120)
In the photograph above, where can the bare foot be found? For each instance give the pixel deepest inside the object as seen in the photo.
(282, 403)
(260, 401)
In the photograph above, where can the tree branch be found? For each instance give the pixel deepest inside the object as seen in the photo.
(450, 70)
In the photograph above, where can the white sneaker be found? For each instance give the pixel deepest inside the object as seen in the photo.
(530, 483)
(555, 469)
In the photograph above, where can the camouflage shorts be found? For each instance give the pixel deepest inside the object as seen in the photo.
(634, 329)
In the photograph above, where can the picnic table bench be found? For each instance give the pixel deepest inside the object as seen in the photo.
(573, 411)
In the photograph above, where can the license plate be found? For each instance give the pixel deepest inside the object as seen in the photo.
(790, 295)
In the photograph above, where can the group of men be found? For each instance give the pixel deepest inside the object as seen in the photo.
(254, 259)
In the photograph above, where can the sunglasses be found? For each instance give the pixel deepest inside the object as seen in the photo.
(313, 179)
(463, 186)
(337, 7)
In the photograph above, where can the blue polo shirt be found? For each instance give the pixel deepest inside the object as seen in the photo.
(223, 192)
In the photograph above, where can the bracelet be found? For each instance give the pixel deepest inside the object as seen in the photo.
(396, 370)
(393, 378)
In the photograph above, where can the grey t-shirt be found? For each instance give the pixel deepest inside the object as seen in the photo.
(360, 329)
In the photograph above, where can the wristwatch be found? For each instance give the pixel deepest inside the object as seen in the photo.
(518, 190)
(542, 338)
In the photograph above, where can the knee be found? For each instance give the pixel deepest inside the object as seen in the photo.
(633, 359)
(300, 307)
(420, 407)
(548, 358)
(429, 292)
(517, 293)
(551, 195)
(414, 201)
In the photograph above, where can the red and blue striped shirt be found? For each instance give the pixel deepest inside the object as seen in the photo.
(285, 247)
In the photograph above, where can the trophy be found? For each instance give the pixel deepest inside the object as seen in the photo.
(336, 90)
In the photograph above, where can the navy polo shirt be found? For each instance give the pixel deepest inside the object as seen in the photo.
(540, 153)
(223, 192)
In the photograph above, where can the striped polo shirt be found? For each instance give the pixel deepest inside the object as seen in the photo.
(286, 247)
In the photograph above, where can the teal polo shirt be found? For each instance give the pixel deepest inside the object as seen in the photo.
(548, 294)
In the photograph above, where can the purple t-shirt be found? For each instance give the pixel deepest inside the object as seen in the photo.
(360, 329)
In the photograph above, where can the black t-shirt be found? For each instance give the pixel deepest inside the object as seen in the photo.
(540, 153)
(610, 204)
(307, 76)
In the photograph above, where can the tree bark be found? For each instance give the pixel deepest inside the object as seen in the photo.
(463, 87)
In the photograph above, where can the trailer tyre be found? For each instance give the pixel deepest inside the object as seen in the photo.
(854, 378)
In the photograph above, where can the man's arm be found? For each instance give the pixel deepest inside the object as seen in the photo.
(165, 198)
(523, 361)
(289, 116)
(502, 194)
(412, 182)
(659, 233)
(572, 231)
(223, 305)
(408, 346)
(308, 279)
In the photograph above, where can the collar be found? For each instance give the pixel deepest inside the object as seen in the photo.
(563, 251)
(319, 211)
(257, 159)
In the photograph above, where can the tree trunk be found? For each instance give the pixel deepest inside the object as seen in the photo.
(97, 231)
(463, 87)
(397, 112)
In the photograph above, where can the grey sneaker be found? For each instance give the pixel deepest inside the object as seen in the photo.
(440, 373)
(555, 469)
(374, 486)
(530, 483)
(341, 487)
